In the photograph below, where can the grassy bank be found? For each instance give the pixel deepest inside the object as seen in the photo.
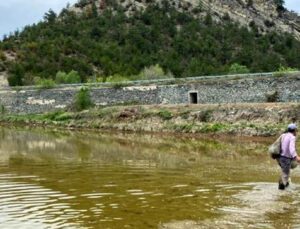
(238, 119)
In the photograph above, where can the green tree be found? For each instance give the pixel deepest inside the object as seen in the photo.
(16, 76)
(50, 16)
(279, 4)
(114, 44)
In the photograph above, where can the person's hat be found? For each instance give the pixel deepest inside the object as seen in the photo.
(292, 126)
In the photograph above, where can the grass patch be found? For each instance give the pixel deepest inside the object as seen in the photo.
(185, 114)
(64, 117)
(106, 112)
(52, 115)
(186, 128)
(165, 114)
(213, 128)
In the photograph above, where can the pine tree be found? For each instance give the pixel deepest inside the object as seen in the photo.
(279, 4)
(50, 16)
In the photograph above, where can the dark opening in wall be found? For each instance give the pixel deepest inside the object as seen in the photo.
(193, 97)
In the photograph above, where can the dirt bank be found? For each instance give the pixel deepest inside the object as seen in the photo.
(239, 119)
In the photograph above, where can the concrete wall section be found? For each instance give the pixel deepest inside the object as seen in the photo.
(36, 101)
(126, 95)
(250, 90)
(233, 91)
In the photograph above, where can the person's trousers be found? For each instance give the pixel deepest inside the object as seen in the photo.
(285, 165)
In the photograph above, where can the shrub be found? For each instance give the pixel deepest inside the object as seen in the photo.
(2, 56)
(119, 85)
(238, 69)
(2, 67)
(16, 75)
(282, 70)
(269, 23)
(205, 116)
(70, 78)
(60, 77)
(116, 79)
(185, 114)
(73, 77)
(82, 100)
(96, 79)
(154, 72)
(45, 83)
(165, 114)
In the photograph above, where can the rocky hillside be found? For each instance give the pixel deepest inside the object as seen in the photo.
(266, 15)
(114, 40)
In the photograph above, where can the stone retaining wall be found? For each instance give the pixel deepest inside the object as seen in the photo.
(252, 90)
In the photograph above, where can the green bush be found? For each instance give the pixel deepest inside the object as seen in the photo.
(17, 73)
(165, 114)
(57, 116)
(2, 56)
(238, 69)
(154, 72)
(151, 42)
(205, 116)
(2, 66)
(70, 78)
(60, 77)
(83, 100)
(116, 79)
(45, 83)
(282, 70)
(212, 128)
(53, 115)
(73, 77)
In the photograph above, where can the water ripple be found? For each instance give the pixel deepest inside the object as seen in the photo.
(33, 206)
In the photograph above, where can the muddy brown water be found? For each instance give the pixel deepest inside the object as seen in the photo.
(51, 179)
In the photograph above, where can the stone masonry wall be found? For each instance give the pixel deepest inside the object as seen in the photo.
(252, 90)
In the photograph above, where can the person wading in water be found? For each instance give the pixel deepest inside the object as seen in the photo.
(287, 155)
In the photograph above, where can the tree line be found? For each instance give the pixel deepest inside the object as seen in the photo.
(111, 44)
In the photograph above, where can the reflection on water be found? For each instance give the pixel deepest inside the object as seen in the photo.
(257, 205)
(89, 180)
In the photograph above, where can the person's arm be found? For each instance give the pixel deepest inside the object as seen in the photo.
(292, 149)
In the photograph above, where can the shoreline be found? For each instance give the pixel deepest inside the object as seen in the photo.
(253, 120)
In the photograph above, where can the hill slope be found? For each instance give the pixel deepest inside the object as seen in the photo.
(122, 37)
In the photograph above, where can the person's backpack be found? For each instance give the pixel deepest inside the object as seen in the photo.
(275, 148)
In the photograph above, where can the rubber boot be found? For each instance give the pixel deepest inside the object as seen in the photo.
(281, 186)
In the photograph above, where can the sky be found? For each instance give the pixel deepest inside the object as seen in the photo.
(15, 14)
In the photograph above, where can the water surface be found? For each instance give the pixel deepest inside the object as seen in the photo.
(52, 179)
